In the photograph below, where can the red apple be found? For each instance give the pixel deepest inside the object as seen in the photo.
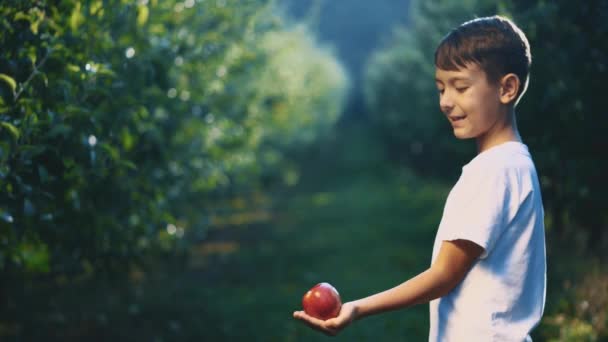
(322, 301)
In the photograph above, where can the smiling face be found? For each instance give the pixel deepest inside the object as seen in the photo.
(471, 104)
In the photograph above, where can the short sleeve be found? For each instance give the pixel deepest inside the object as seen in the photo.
(476, 209)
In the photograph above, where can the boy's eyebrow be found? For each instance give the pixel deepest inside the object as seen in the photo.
(454, 79)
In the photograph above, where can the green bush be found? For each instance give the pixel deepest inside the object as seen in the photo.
(584, 315)
(122, 123)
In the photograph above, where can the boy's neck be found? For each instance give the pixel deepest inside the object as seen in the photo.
(503, 131)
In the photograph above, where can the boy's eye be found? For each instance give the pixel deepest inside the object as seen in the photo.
(440, 91)
(462, 89)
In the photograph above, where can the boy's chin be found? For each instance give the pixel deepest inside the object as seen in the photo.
(462, 135)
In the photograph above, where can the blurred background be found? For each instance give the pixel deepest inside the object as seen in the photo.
(187, 170)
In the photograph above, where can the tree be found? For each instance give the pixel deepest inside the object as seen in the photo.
(121, 124)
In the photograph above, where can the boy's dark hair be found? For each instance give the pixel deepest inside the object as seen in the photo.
(494, 43)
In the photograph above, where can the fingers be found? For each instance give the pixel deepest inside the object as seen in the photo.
(315, 323)
(332, 323)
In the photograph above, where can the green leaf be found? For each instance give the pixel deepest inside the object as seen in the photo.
(20, 16)
(72, 67)
(3, 107)
(34, 26)
(31, 53)
(110, 151)
(142, 15)
(13, 131)
(104, 70)
(96, 8)
(58, 32)
(10, 81)
(127, 139)
(35, 257)
(35, 17)
(76, 19)
(128, 164)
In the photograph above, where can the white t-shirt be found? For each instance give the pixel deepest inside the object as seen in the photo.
(496, 204)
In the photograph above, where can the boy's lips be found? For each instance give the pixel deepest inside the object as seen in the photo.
(456, 118)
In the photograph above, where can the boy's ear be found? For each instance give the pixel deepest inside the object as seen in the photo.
(509, 87)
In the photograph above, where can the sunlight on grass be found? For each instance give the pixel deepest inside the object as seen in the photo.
(322, 199)
(240, 218)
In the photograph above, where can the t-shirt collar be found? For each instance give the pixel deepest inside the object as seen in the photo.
(515, 146)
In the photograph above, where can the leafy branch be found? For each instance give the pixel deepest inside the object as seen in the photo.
(35, 72)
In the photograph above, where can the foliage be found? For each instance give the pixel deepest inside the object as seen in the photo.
(562, 113)
(573, 330)
(122, 123)
(584, 315)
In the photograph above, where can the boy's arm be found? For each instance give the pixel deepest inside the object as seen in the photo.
(454, 260)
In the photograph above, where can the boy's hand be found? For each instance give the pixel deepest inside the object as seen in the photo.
(332, 326)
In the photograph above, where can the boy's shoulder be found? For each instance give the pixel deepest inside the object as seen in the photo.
(507, 156)
(507, 161)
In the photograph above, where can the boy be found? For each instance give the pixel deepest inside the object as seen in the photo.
(487, 277)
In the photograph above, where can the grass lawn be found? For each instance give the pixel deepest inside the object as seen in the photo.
(362, 234)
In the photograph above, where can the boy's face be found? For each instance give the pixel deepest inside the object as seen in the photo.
(470, 103)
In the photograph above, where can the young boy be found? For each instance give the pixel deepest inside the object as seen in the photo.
(487, 277)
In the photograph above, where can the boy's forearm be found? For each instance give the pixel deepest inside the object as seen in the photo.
(426, 286)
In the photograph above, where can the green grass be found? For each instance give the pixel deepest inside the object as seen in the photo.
(363, 237)
(362, 234)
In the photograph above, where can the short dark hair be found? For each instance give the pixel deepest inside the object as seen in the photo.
(494, 43)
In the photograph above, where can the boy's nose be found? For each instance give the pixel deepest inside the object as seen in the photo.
(445, 104)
